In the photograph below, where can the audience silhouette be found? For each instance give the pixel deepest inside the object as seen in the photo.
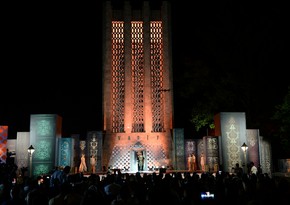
(174, 187)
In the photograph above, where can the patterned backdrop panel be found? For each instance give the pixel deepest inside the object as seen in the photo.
(124, 156)
(253, 146)
(3, 143)
(190, 146)
(200, 144)
(179, 149)
(65, 152)
(233, 126)
(212, 152)
(94, 148)
(266, 156)
(76, 152)
(22, 144)
(43, 137)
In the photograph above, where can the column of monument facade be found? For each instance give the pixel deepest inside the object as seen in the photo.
(167, 68)
(147, 86)
(107, 63)
(128, 69)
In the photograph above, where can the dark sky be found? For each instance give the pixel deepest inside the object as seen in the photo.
(51, 55)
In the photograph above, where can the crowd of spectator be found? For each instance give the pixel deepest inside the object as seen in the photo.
(174, 188)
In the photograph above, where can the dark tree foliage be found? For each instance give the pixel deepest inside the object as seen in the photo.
(282, 135)
(232, 60)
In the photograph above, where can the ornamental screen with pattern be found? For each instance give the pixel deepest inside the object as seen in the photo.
(138, 75)
(118, 76)
(156, 63)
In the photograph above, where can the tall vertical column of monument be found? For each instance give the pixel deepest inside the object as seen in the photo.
(137, 84)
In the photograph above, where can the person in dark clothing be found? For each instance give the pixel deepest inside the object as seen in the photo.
(15, 197)
(238, 170)
(59, 176)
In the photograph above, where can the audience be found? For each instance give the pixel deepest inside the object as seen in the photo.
(147, 189)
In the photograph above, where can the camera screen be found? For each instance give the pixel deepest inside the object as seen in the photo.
(207, 195)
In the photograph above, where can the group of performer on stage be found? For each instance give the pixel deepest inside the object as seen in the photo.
(192, 162)
(83, 166)
(93, 161)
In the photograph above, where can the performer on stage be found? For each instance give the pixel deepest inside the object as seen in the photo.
(93, 163)
(193, 162)
(140, 159)
(202, 162)
(189, 161)
(83, 166)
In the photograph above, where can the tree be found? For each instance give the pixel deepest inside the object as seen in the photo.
(282, 119)
(202, 117)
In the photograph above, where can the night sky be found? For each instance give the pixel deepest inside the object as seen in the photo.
(51, 58)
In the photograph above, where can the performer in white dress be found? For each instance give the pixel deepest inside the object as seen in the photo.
(189, 161)
(83, 166)
(140, 159)
(93, 164)
(202, 162)
(193, 162)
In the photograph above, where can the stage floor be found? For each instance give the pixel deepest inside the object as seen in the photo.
(199, 172)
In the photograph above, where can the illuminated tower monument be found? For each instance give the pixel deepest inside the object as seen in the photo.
(137, 84)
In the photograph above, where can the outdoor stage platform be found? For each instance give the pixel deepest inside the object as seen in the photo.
(159, 171)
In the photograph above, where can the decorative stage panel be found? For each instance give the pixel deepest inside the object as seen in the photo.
(266, 156)
(22, 144)
(190, 147)
(201, 150)
(44, 129)
(212, 153)
(95, 146)
(253, 146)
(3, 143)
(124, 155)
(11, 145)
(233, 135)
(178, 153)
(76, 152)
(11, 151)
(65, 156)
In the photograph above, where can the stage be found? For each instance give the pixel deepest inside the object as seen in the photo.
(159, 171)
